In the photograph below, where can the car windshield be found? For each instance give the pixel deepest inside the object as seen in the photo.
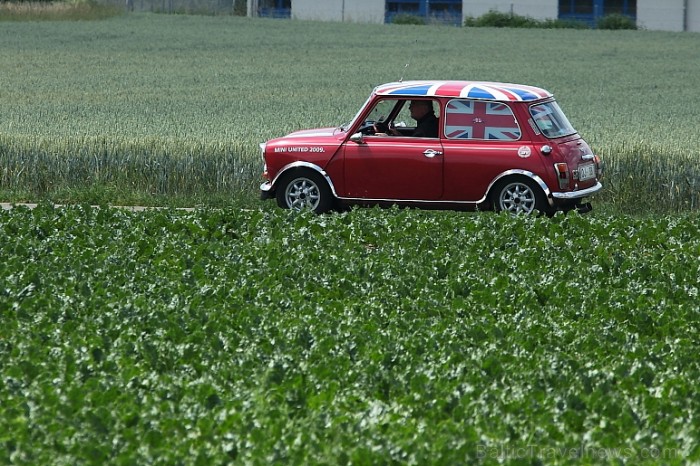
(381, 111)
(344, 127)
(551, 120)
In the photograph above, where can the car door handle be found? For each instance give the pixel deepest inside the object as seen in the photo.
(587, 157)
(430, 153)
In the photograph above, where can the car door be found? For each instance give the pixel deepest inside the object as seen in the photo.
(393, 168)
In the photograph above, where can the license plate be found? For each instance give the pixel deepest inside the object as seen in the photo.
(586, 172)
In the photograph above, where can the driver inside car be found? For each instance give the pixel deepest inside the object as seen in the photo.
(426, 121)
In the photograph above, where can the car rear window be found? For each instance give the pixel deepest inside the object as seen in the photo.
(550, 120)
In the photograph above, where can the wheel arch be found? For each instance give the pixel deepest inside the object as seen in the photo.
(515, 173)
(300, 166)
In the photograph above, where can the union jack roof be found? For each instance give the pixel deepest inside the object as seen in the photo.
(472, 89)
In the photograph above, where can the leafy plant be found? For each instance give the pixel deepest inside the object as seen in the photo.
(616, 21)
(249, 336)
(498, 19)
(240, 8)
(406, 18)
(38, 10)
(495, 18)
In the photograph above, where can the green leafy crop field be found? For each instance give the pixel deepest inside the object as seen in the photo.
(366, 337)
(171, 109)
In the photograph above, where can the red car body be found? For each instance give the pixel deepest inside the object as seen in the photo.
(501, 146)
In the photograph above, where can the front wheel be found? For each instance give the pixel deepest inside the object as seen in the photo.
(304, 191)
(520, 196)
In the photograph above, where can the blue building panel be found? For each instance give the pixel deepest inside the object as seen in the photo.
(590, 11)
(446, 11)
(275, 8)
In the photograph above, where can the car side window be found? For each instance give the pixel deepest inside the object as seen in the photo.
(404, 119)
(480, 119)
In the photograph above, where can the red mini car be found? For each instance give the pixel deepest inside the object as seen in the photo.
(439, 144)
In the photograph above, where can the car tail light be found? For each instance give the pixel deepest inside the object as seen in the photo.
(562, 170)
(598, 166)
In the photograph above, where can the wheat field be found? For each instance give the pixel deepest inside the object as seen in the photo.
(172, 108)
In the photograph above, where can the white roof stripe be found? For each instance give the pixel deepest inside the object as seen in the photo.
(433, 89)
(496, 92)
(465, 90)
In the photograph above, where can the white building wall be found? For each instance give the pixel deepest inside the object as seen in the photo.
(357, 11)
(251, 7)
(364, 11)
(666, 16)
(538, 9)
(693, 16)
(327, 10)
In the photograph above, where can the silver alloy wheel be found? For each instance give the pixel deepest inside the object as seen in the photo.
(517, 198)
(302, 193)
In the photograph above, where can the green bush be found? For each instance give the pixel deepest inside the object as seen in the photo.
(41, 10)
(499, 20)
(617, 21)
(510, 20)
(405, 18)
(240, 8)
(563, 24)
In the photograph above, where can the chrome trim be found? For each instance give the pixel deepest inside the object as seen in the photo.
(588, 157)
(301, 164)
(578, 194)
(475, 147)
(430, 153)
(266, 186)
(399, 142)
(357, 138)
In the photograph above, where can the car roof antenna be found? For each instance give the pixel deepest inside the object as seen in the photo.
(404, 72)
(407, 64)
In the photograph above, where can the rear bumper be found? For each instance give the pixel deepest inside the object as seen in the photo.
(578, 194)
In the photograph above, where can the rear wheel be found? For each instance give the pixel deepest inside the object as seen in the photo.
(305, 190)
(520, 196)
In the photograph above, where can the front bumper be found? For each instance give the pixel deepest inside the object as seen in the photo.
(266, 191)
(578, 194)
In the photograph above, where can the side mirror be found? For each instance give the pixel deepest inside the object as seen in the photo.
(357, 138)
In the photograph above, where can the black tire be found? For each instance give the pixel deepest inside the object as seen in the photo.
(519, 195)
(301, 190)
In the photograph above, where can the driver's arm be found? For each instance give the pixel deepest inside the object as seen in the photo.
(386, 130)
